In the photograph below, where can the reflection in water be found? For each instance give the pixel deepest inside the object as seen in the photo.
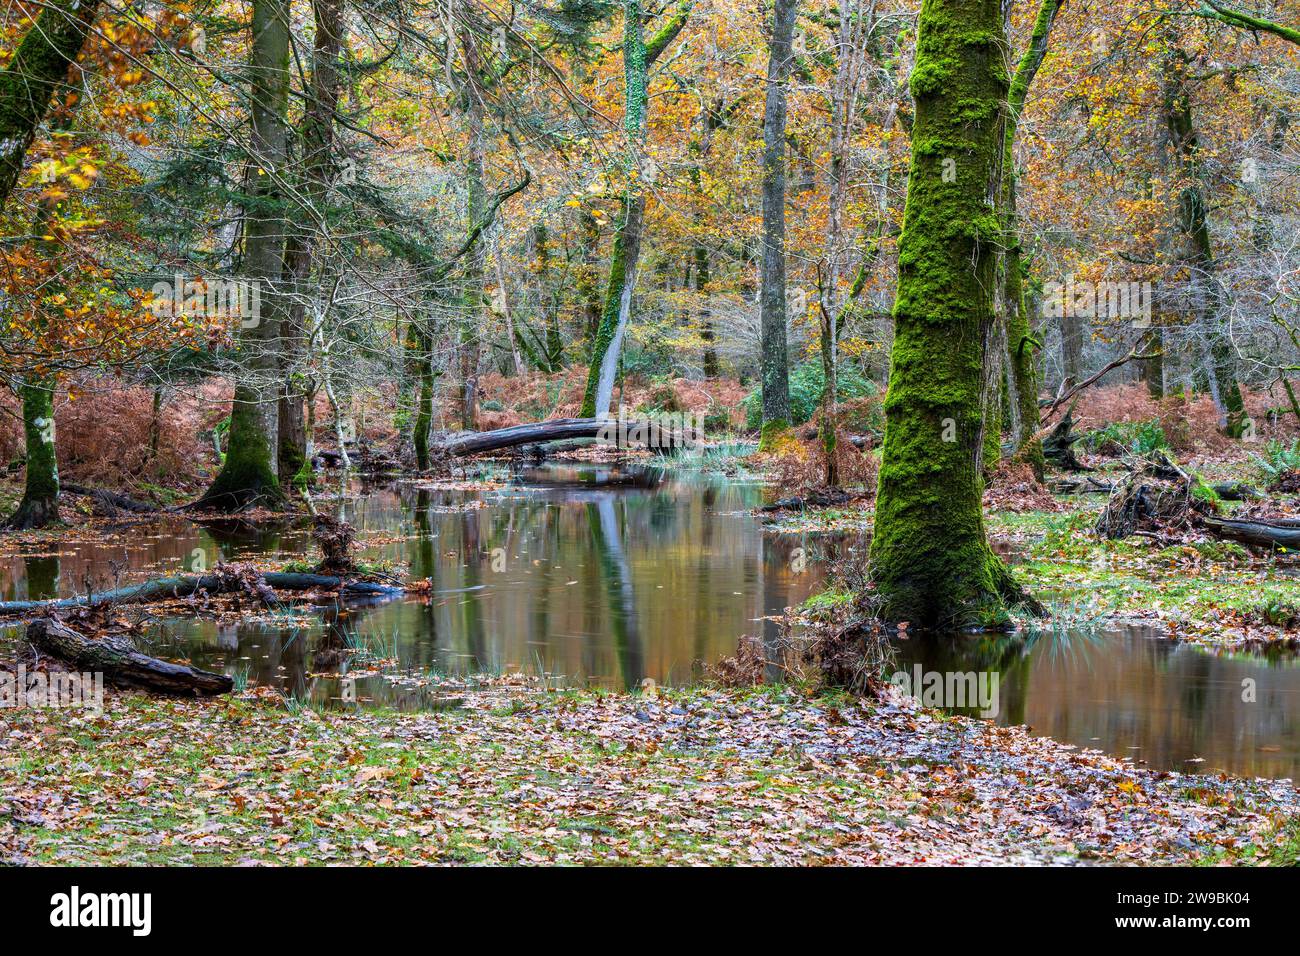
(605, 575)
(1124, 690)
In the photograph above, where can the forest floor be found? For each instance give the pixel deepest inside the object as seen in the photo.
(761, 776)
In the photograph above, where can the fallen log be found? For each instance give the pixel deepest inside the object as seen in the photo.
(165, 589)
(362, 459)
(857, 441)
(628, 432)
(111, 501)
(1261, 534)
(1086, 485)
(121, 664)
(827, 498)
(1236, 491)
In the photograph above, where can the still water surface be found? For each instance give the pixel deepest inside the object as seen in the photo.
(605, 575)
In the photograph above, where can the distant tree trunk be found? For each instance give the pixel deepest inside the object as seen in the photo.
(849, 61)
(1072, 334)
(249, 475)
(588, 286)
(931, 562)
(473, 306)
(40, 503)
(299, 256)
(1197, 253)
(773, 347)
(607, 346)
(554, 357)
(420, 363)
(707, 334)
(37, 69)
(155, 422)
(516, 360)
(710, 119)
(1021, 374)
(1152, 371)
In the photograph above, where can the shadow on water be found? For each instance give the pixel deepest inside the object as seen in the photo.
(604, 575)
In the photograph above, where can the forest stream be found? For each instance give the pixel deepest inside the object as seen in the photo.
(602, 576)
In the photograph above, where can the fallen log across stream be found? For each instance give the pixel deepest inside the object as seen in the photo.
(627, 432)
(121, 664)
(165, 589)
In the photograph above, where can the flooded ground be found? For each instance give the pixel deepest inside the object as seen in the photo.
(603, 575)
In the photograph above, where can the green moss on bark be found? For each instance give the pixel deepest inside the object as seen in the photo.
(248, 477)
(40, 503)
(931, 561)
(609, 316)
(774, 435)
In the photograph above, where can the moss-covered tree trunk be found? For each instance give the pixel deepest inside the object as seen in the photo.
(420, 366)
(607, 345)
(932, 564)
(40, 503)
(249, 475)
(774, 360)
(38, 67)
(1021, 372)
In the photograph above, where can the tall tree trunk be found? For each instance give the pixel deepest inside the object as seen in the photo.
(420, 364)
(473, 303)
(774, 359)
(638, 55)
(249, 475)
(1021, 375)
(40, 503)
(588, 286)
(1072, 334)
(843, 102)
(553, 359)
(932, 564)
(711, 118)
(1197, 251)
(300, 250)
(516, 360)
(38, 68)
